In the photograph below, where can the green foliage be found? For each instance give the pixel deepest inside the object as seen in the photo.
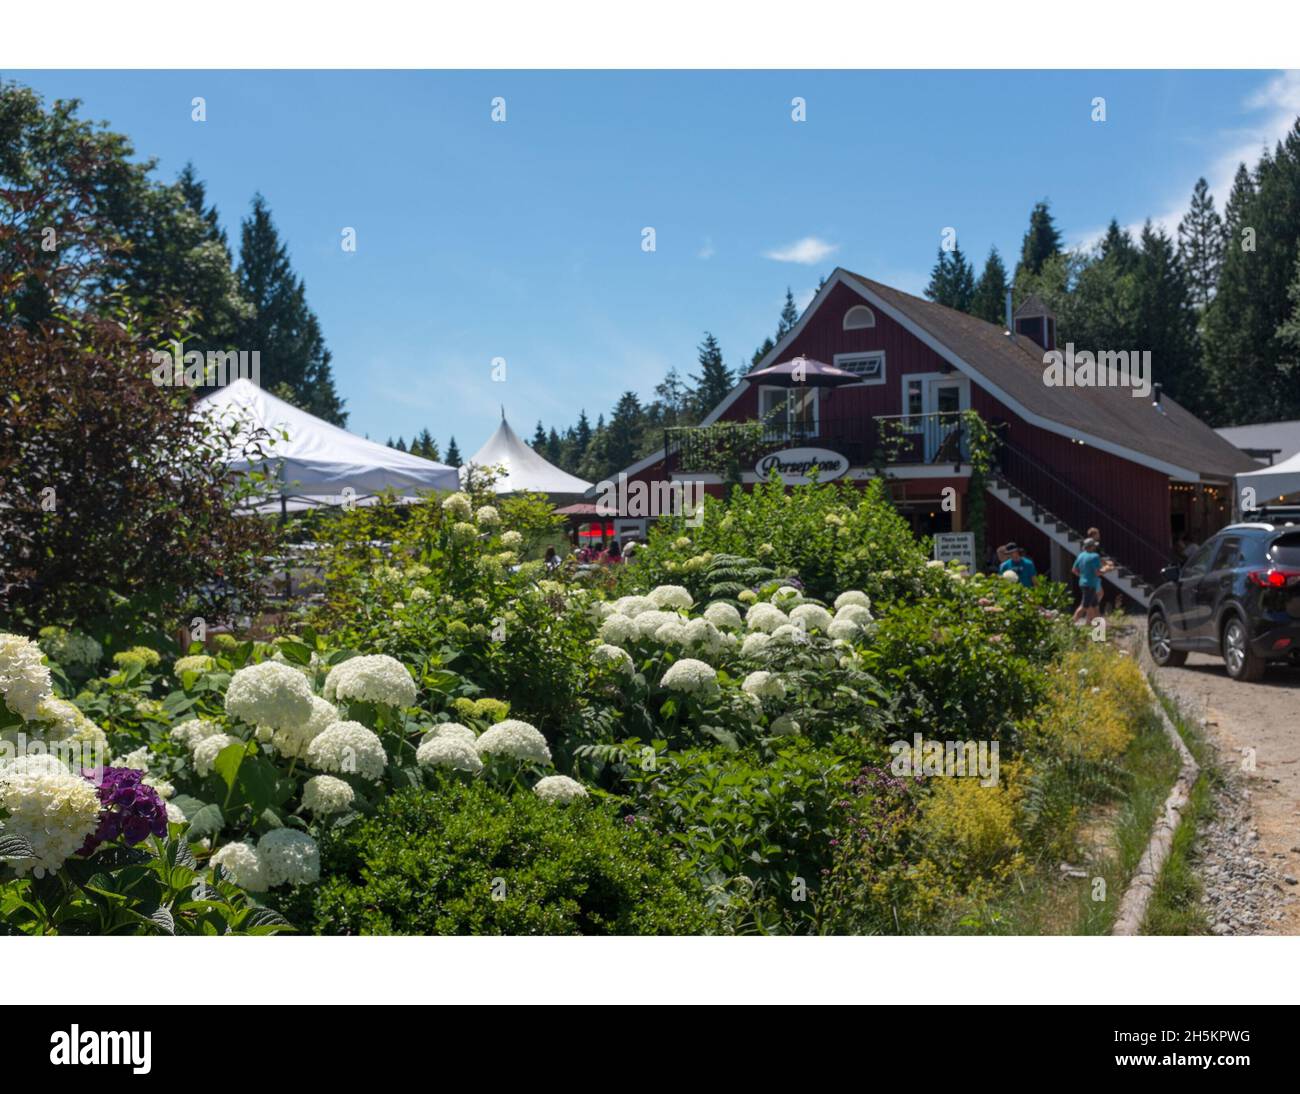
(468, 859)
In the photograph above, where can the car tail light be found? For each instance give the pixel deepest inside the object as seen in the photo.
(1274, 578)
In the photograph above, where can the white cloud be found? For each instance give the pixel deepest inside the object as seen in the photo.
(807, 251)
(707, 250)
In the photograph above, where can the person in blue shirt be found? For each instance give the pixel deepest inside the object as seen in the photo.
(1023, 567)
(1087, 568)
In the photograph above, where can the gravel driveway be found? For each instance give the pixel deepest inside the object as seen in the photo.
(1251, 853)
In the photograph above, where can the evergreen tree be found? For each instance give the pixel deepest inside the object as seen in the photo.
(674, 397)
(539, 437)
(988, 302)
(623, 438)
(400, 445)
(582, 435)
(281, 327)
(553, 450)
(952, 281)
(1200, 245)
(1166, 317)
(715, 380)
(789, 316)
(1041, 242)
(1247, 363)
(1117, 247)
(423, 444)
(453, 454)
(767, 347)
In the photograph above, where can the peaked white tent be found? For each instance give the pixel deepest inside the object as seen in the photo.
(316, 461)
(525, 469)
(1271, 483)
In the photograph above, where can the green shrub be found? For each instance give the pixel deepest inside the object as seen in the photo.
(468, 859)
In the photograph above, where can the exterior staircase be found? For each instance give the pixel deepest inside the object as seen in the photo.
(1131, 584)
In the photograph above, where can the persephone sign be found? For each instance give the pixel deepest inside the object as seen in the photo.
(959, 546)
(796, 465)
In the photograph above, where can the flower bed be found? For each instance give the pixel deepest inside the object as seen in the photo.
(458, 741)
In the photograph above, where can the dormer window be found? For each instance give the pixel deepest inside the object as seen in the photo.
(859, 317)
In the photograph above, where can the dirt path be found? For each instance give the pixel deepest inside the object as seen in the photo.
(1251, 854)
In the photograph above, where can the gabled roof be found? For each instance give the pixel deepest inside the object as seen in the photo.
(1166, 437)
(525, 469)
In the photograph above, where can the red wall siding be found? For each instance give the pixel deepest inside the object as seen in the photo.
(825, 336)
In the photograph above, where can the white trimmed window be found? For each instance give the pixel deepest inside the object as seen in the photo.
(869, 366)
(859, 317)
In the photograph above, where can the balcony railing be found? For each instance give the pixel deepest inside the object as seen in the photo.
(882, 441)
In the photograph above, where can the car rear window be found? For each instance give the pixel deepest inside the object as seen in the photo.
(1285, 550)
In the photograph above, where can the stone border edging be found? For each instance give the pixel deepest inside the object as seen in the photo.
(1133, 905)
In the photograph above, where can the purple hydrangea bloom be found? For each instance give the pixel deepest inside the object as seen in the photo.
(131, 811)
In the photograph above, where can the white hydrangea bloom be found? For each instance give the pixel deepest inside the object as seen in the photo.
(647, 623)
(855, 613)
(691, 676)
(64, 723)
(326, 794)
(812, 616)
(789, 632)
(175, 814)
(269, 694)
(786, 597)
(618, 630)
(453, 731)
(348, 748)
(755, 644)
(191, 732)
(671, 633)
(764, 685)
(616, 658)
(559, 788)
(1010, 575)
(702, 636)
(453, 752)
(748, 706)
(852, 596)
(291, 857)
(723, 615)
(764, 617)
(488, 516)
(457, 506)
(50, 807)
(632, 606)
(671, 596)
(294, 741)
(24, 679)
(512, 540)
(374, 678)
(137, 760)
(843, 629)
(207, 750)
(515, 739)
(242, 863)
(600, 610)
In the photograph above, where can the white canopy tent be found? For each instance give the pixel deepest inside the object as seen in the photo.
(1272, 483)
(524, 468)
(318, 464)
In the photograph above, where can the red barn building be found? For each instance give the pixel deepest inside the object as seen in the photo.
(1141, 469)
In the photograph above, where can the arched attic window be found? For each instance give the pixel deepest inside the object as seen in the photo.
(859, 317)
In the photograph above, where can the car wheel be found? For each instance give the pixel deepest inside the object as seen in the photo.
(1242, 661)
(1160, 641)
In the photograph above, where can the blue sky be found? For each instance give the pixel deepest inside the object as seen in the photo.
(522, 240)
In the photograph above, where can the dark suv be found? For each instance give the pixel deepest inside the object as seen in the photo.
(1237, 596)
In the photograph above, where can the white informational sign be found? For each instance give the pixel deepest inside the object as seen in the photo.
(956, 545)
(795, 465)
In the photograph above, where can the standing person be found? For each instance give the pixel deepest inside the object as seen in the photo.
(614, 554)
(1023, 567)
(1107, 564)
(552, 560)
(1087, 568)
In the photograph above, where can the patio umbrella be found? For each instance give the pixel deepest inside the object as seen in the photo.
(803, 372)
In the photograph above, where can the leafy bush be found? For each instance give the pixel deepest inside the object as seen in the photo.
(468, 859)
